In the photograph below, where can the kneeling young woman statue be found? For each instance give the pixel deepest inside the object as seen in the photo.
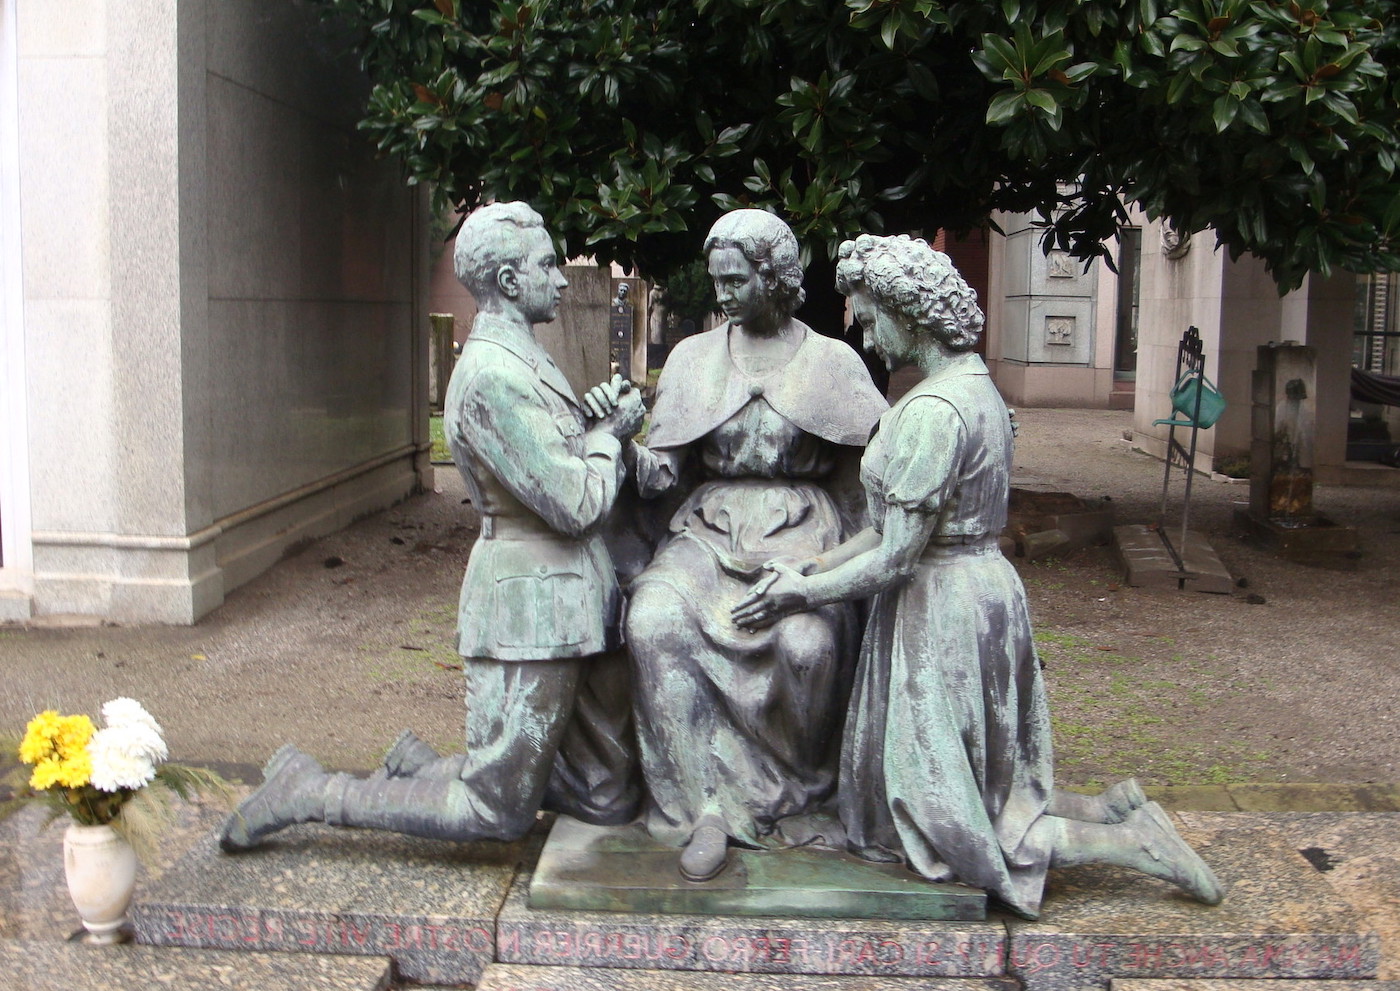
(946, 762)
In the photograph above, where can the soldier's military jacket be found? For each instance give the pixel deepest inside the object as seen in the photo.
(539, 583)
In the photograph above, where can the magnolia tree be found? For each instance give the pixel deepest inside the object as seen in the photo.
(631, 124)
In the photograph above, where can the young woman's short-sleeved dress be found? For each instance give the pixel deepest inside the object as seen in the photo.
(947, 761)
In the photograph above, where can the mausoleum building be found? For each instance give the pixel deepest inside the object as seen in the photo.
(211, 297)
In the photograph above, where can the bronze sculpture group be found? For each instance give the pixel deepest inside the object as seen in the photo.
(746, 708)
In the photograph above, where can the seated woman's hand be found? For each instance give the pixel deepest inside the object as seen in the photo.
(778, 594)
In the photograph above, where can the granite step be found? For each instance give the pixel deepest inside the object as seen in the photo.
(429, 905)
(521, 977)
(36, 965)
(1184, 984)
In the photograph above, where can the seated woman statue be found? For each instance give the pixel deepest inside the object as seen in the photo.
(739, 730)
(946, 762)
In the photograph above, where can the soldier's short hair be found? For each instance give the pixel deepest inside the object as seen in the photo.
(492, 237)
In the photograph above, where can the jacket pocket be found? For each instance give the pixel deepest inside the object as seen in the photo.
(541, 609)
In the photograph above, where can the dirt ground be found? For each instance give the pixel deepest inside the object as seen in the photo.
(1293, 677)
(348, 641)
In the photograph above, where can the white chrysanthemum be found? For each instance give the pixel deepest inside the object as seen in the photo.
(125, 712)
(119, 758)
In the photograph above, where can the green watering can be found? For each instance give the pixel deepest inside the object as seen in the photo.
(1184, 398)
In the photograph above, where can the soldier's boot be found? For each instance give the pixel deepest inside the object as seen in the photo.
(437, 808)
(293, 791)
(408, 755)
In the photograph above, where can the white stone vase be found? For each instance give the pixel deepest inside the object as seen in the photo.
(101, 870)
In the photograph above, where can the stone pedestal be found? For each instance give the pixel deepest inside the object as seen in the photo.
(511, 977)
(459, 914)
(31, 965)
(1279, 920)
(429, 905)
(622, 869)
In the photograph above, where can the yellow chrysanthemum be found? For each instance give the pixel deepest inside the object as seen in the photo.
(76, 771)
(74, 732)
(46, 774)
(39, 735)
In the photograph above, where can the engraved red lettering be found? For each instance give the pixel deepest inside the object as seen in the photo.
(543, 943)
(780, 950)
(479, 939)
(1345, 955)
(350, 933)
(677, 947)
(309, 936)
(1034, 959)
(510, 943)
(592, 944)
(1202, 956)
(1144, 956)
(1090, 954)
(892, 951)
(715, 948)
(634, 947)
(177, 924)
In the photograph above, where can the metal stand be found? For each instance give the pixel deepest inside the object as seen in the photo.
(1190, 365)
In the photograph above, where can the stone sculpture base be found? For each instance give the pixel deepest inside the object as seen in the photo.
(32, 965)
(622, 869)
(510, 977)
(1319, 542)
(429, 905)
(445, 912)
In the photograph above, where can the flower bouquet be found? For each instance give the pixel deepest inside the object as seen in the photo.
(118, 789)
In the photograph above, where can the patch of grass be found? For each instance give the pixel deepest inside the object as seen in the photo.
(1234, 465)
(1115, 715)
(1065, 641)
(423, 650)
(440, 453)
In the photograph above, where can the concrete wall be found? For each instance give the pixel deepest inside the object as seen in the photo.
(1237, 307)
(1050, 323)
(16, 551)
(221, 299)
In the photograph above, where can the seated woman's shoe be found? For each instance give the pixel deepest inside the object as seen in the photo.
(707, 853)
